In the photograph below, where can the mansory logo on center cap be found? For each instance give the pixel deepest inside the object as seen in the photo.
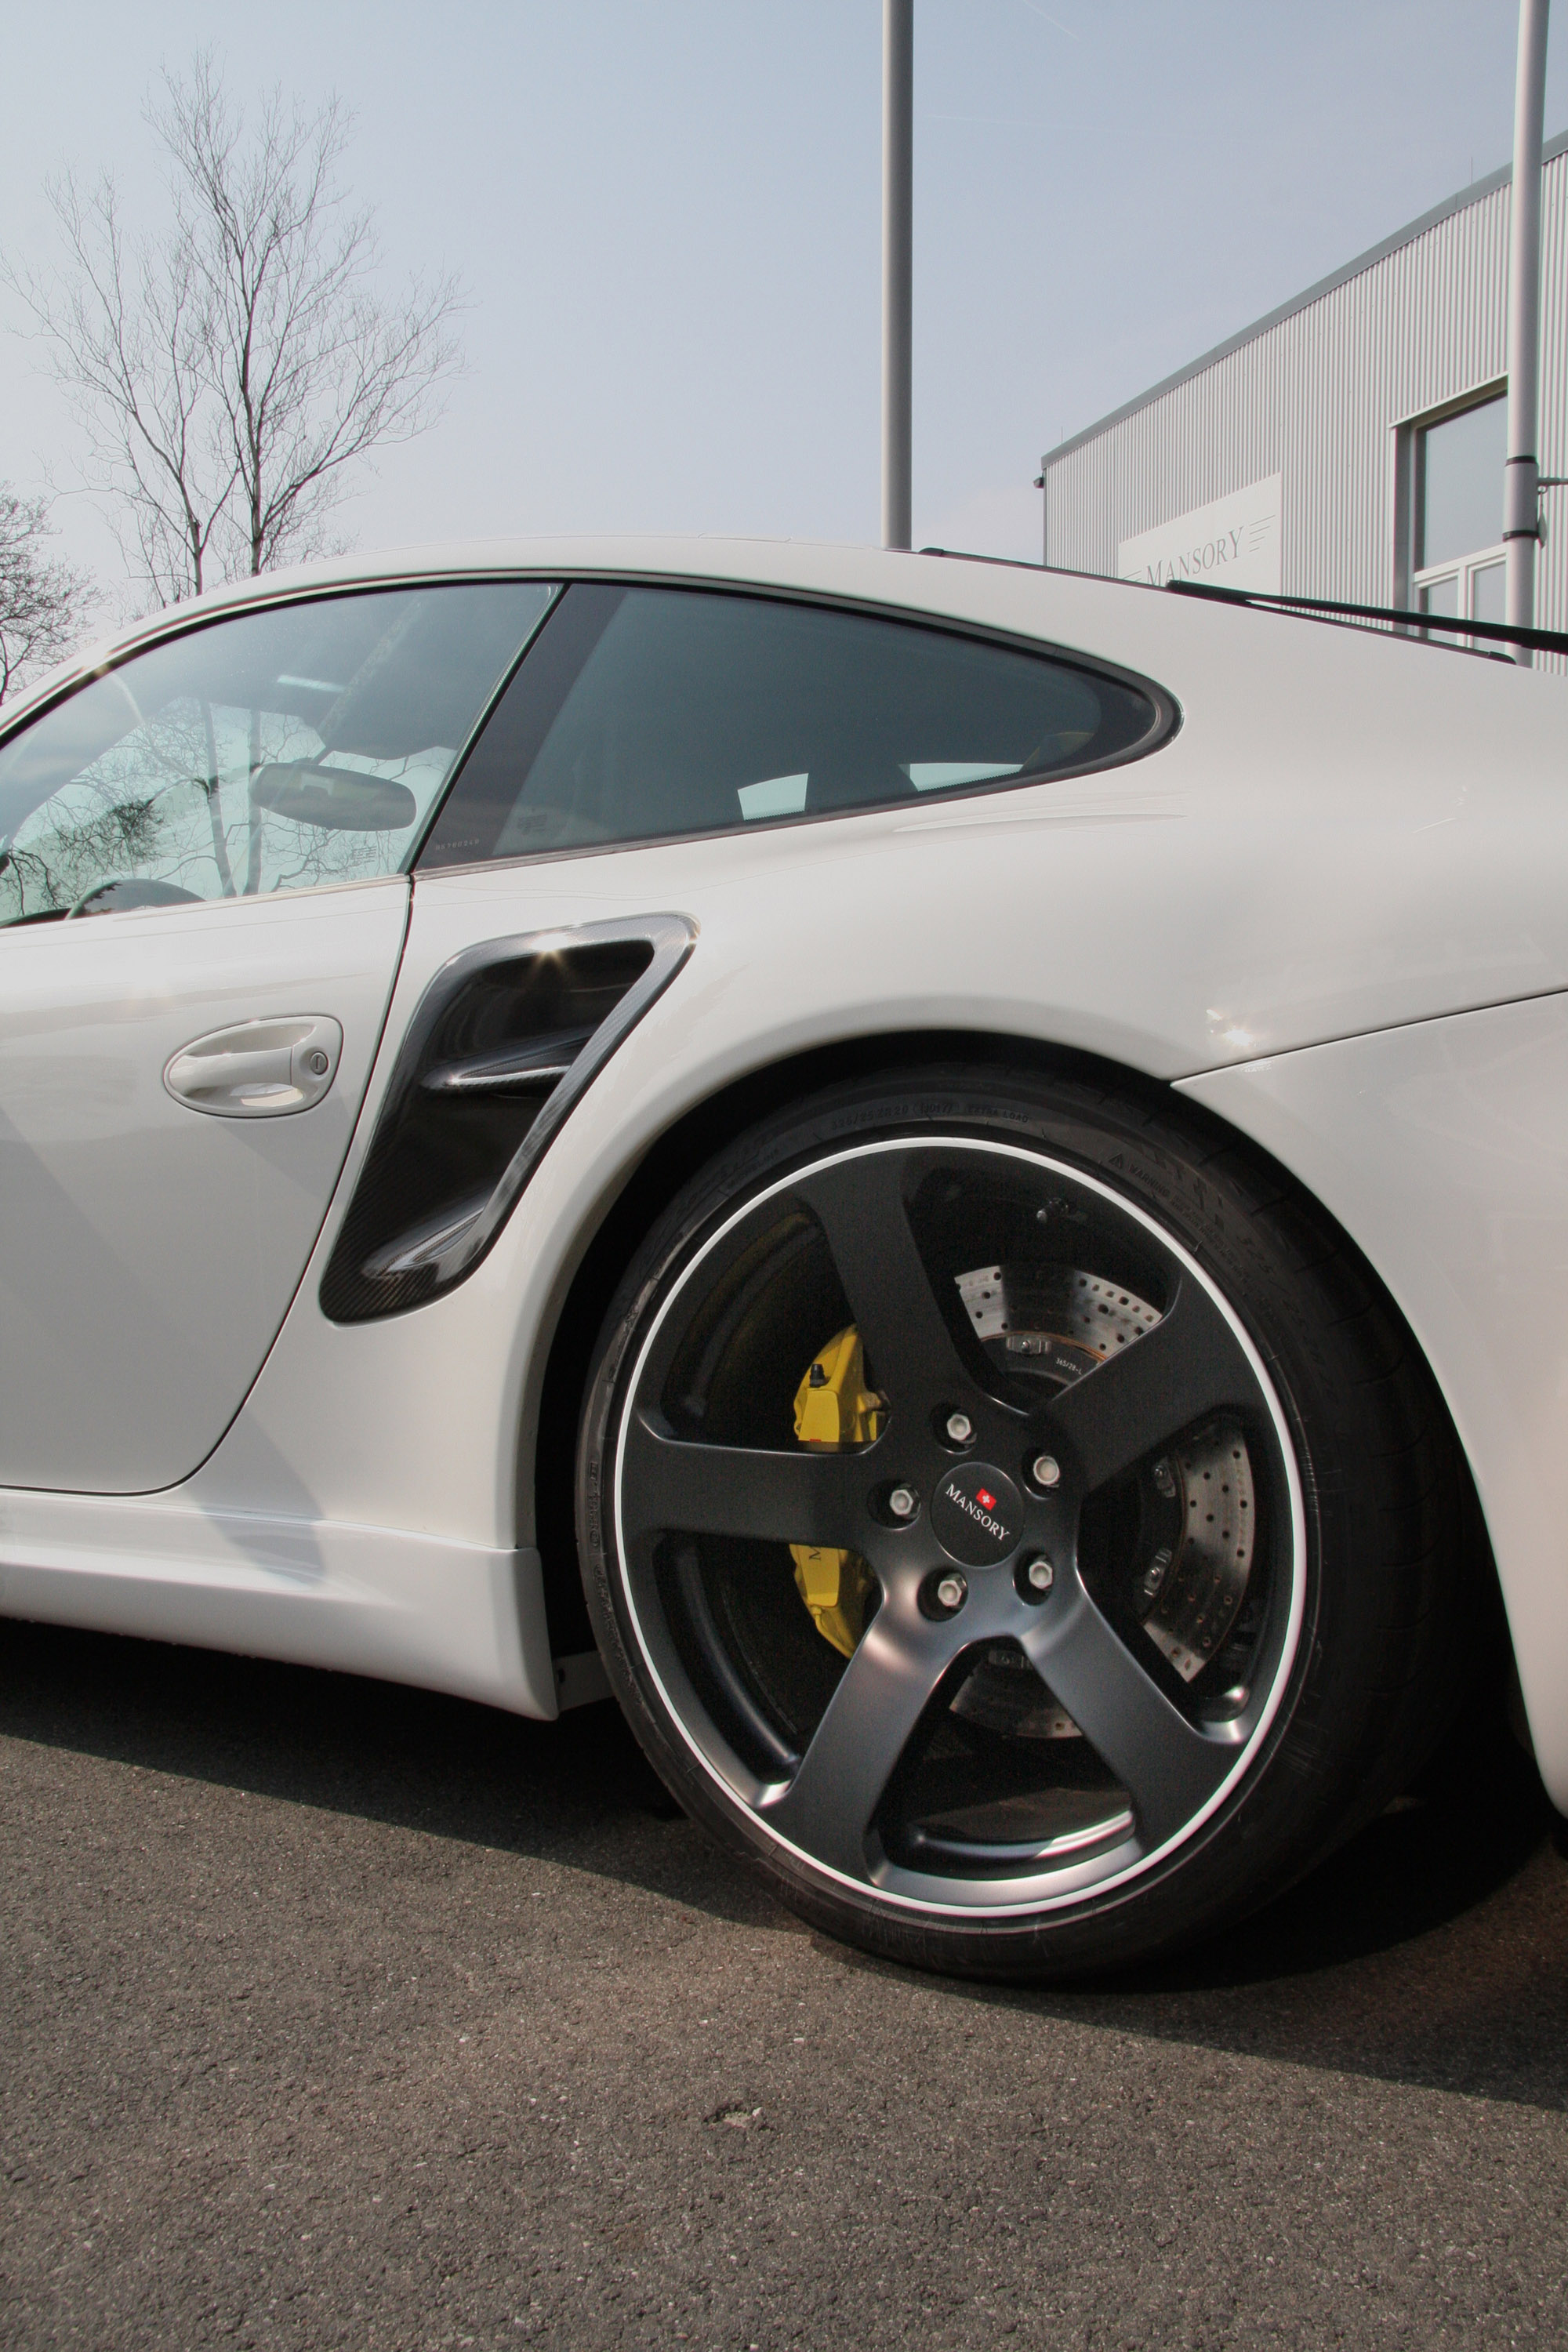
(978, 1514)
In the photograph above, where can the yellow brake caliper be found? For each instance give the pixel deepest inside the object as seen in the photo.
(834, 1407)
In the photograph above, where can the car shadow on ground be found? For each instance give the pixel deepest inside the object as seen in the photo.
(1432, 1950)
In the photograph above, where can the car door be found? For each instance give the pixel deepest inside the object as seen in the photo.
(201, 910)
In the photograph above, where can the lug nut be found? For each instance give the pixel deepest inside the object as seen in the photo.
(1040, 1573)
(902, 1503)
(944, 1593)
(960, 1428)
(1046, 1470)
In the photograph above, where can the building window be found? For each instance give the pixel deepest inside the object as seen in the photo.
(1457, 513)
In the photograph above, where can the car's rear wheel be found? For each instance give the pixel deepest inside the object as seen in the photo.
(1016, 1520)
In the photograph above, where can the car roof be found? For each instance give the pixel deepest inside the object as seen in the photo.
(978, 590)
(1185, 645)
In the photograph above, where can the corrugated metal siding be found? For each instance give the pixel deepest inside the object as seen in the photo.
(1316, 396)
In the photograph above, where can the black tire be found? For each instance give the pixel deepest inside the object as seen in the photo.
(1227, 1696)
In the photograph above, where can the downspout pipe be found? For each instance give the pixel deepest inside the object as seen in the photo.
(1521, 476)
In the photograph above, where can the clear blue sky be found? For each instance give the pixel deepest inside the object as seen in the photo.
(666, 212)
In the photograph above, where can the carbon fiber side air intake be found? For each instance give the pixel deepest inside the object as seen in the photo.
(505, 1039)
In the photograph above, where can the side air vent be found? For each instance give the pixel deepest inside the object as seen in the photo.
(502, 1044)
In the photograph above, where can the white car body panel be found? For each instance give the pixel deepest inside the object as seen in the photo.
(370, 1600)
(97, 1260)
(1348, 839)
(1442, 1149)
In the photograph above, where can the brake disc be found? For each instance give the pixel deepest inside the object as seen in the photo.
(1053, 1322)
(1189, 1575)
(1190, 1592)
(1003, 1693)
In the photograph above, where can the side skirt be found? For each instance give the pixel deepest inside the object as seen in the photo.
(408, 1608)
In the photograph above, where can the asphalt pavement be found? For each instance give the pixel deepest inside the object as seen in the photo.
(333, 2014)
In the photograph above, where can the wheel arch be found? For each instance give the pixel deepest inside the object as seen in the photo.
(706, 1128)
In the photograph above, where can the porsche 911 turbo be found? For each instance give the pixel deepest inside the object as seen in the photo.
(947, 1178)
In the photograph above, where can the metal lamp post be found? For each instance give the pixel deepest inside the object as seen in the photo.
(898, 190)
(1521, 476)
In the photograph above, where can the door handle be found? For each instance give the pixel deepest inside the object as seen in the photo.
(259, 1069)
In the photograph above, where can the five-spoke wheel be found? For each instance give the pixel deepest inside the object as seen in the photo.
(950, 1525)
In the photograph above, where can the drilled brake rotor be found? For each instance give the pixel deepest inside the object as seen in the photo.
(1054, 1322)
(1189, 1575)
(1190, 1593)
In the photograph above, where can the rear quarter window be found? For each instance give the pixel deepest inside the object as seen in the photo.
(642, 714)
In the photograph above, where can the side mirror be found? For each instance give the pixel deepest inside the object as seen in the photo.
(338, 800)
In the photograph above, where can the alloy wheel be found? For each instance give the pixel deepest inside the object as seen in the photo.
(1014, 1627)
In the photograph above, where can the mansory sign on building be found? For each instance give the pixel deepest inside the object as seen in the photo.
(1234, 541)
(1351, 444)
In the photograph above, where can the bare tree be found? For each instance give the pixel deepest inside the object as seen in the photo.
(44, 603)
(312, 369)
(230, 370)
(126, 334)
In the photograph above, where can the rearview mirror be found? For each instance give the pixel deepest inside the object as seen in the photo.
(339, 800)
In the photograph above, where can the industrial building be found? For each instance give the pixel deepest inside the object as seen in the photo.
(1351, 444)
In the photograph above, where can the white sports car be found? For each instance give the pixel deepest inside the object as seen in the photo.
(952, 1175)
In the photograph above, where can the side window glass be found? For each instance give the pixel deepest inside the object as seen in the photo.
(646, 713)
(278, 749)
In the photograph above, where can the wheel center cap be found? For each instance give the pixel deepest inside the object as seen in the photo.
(977, 1513)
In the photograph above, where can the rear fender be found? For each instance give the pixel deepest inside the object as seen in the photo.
(1442, 1147)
